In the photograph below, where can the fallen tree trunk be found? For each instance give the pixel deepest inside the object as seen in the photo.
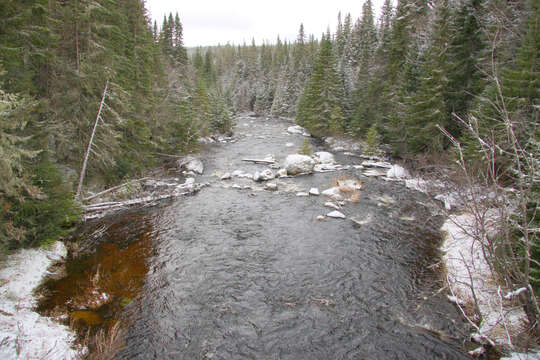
(94, 211)
(113, 188)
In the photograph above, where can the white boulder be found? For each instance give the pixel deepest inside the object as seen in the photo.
(271, 186)
(191, 164)
(323, 157)
(296, 129)
(314, 192)
(397, 172)
(298, 164)
(336, 215)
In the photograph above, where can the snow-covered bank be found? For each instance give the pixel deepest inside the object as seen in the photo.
(469, 276)
(24, 334)
(472, 284)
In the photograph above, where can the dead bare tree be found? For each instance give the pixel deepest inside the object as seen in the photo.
(89, 148)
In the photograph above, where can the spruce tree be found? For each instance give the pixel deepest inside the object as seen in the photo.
(367, 36)
(465, 54)
(320, 107)
(427, 107)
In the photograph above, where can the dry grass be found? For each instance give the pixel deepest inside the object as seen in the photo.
(348, 186)
(105, 343)
(355, 197)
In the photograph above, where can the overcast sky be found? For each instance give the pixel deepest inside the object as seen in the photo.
(235, 21)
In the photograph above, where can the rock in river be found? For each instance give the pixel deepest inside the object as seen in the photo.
(397, 172)
(191, 164)
(265, 175)
(336, 215)
(298, 164)
(323, 157)
(272, 186)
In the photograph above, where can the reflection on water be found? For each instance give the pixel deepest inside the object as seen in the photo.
(101, 284)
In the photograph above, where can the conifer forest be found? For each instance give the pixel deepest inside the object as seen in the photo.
(434, 84)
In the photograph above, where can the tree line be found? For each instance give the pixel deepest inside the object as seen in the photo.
(56, 57)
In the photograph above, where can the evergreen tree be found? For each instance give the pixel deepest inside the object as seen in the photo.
(26, 45)
(320, 107)
(180, 52)
(428, 105)
(367, 37)
(465, 78)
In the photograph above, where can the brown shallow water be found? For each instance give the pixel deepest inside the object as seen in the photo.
(251, 274)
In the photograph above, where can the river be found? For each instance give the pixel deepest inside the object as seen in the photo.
(245, 273)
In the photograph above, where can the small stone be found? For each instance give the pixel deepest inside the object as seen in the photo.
(321, 218)
(236, 186)
(302, 194)
(282, 173)
(336, 215)
(271, 186)
(332, 205)
(289, 144)
(314, 192)
(226, 176)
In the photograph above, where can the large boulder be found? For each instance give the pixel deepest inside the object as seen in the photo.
(298, 164)
(191, 164)
(323, 157)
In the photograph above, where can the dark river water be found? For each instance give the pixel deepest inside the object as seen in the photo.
(252, 274)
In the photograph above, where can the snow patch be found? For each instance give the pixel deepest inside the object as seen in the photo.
(465, 264)
(24, 334)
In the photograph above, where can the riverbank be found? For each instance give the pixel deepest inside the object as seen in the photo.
(25, 334)
(496, 318)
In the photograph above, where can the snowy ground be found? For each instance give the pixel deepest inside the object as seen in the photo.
(466, 265)
(467, 269)
(24, 334)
